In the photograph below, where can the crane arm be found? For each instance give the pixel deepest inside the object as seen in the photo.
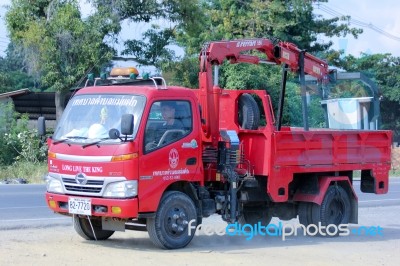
(215, 53)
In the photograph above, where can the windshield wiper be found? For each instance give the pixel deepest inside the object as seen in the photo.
(68, 138)
(95, 142)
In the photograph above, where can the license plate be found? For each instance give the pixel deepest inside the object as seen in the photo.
(80, 206)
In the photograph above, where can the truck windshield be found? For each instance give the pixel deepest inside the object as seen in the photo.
(90, 117)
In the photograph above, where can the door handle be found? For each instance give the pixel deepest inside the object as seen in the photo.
(191, 161)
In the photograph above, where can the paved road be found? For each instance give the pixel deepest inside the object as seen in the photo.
(24, 205)
(392, 198)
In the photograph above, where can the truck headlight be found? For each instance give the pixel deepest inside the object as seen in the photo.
(123, 189)
(54, 185)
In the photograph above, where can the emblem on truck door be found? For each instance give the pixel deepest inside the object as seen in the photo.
(80, 178)
(173, 158)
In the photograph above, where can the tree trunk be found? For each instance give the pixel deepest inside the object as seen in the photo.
(60, 101)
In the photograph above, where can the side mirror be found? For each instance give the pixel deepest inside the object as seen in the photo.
(41, 126)
(127, 124)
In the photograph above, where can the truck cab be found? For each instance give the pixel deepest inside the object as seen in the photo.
(98, 169)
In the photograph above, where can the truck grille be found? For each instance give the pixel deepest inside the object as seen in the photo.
(92, 186)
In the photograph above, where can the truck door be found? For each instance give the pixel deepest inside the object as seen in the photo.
(170, 148)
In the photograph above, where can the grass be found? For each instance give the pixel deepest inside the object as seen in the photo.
(394, 173)
(32, 172)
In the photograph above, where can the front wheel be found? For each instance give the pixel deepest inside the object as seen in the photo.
(175, 222)
(90, 230)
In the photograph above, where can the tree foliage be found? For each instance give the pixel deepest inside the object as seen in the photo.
(153, 48)
(165, 16)
(58, 45)
(289, 20)
(384, 69)
(18, 142)
(139, 10)
(13, 74)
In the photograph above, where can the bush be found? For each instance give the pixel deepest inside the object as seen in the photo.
(27, 145)
(19, 143)
(32, 173)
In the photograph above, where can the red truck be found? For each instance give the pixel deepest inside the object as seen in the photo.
(132, 153)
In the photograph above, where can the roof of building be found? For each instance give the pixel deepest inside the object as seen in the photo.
(14, 93)
(34, 104)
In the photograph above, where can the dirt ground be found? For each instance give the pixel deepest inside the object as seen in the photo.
(60, 245)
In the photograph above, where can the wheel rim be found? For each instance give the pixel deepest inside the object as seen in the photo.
(176, 221)
(336, 211)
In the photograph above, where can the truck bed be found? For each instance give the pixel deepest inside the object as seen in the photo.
(294, 151)
(282, 155)
(295, 147)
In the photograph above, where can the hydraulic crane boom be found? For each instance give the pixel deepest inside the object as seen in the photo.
(214, 54)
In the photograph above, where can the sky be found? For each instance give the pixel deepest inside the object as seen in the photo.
(383, 16)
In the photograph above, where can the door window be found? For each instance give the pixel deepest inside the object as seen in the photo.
(168, 122)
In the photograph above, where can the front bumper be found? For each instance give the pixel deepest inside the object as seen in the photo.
(100, 206)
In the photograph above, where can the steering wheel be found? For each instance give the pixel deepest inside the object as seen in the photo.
(167, 133)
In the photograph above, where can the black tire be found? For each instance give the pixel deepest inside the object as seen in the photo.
(169, 228)
(249, 113)
(83, 228)
(305, 213)
(335, 209)
(254, 214)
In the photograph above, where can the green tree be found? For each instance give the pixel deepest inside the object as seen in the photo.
(152, 49)
(59, 46)
(139, 10)
(13, 74)
(14, 80)
(289, 20)
(384, 69)
(183, 73)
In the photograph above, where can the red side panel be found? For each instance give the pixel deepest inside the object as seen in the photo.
(327, 150)
(299, 148)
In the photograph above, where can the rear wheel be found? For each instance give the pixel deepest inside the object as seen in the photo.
(305, 213)
(84, 228)
(169, 229)
(254, 214)
(335, 209)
